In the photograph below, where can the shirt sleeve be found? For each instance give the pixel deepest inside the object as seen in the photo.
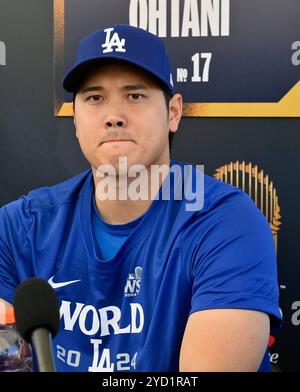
(11, 237)
(233, 259)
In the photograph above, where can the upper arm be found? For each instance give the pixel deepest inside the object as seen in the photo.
(232, 261)
(224, 340)
(8, 257)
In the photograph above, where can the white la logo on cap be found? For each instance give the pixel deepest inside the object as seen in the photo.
(113, 41)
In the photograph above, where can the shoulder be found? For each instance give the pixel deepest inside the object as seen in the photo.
(218, 197)
(227, 213)
(19, 213)
(230, 204)
(213, 189)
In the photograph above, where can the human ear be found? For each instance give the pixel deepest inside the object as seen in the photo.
(175, 112)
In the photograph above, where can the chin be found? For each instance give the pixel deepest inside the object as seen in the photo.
(113, 162)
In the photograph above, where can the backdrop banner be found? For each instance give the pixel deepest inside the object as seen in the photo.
(230, 58)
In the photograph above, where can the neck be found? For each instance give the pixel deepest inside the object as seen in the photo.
(123, 198)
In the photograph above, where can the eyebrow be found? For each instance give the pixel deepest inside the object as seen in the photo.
(128, 87)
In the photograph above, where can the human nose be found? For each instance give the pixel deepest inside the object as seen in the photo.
(115, 117)
(114, 123)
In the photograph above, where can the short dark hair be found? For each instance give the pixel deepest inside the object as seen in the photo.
(167, 95)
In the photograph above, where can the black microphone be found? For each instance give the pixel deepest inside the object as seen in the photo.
(37, 319)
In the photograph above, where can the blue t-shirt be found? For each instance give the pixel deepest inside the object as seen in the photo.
(109, 238)
(129, 312)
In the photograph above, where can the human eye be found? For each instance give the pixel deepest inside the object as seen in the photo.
(94, 98)
(136, 96)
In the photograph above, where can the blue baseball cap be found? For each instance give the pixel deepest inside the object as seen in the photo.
(125, 43)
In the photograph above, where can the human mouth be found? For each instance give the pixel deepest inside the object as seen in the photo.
(116, 141)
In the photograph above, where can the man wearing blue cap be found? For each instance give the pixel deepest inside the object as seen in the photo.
(143, 283)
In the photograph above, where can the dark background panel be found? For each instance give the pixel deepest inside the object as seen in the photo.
(38, 149)
(252, 64)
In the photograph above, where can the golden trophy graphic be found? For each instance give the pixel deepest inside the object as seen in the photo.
(258, 186)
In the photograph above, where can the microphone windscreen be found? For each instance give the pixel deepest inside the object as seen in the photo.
(36, 306)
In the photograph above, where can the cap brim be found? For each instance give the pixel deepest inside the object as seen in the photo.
(77, 74)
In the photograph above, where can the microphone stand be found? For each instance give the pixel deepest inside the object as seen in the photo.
(42, 347)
